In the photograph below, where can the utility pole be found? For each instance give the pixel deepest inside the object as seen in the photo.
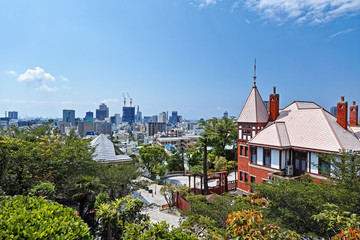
(205, 165)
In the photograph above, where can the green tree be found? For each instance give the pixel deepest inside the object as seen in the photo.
(23, 217)
(152, 158)
(43, 189)
(85, 190)
(115, 215)
(249, 224)
(209, 218)
(219, 134)
(175, 163)
(147, 230)
(334, 220)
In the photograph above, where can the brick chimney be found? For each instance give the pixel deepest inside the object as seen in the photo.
(354, 114)
(342, 113)
(274, 106)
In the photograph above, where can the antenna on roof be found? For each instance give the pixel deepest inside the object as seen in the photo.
(255, 73)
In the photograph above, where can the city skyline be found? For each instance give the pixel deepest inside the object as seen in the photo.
(194, 57)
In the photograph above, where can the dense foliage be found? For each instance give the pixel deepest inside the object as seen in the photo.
(152, 159)
(23, 217)
(301, 204)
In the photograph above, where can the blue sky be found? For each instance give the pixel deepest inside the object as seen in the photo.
(193, 56)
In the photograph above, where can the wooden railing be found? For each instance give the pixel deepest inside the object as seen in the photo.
(179, 202)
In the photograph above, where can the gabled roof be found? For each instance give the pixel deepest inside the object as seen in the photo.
(307, 126)
(275, 134)
(105, 151)
(254, 110)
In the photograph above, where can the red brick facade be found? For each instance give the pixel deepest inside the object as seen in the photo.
(274, 106)
(354, 114)
(342, 114)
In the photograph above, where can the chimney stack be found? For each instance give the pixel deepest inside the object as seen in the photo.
(274, 106)
(354, 114)
(342, 113)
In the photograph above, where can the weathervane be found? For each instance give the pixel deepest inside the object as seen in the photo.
(255, 73)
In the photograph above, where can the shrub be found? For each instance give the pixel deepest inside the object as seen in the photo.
(24, 217)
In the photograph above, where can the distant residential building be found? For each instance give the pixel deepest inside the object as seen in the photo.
(13, 115)
(155, 127)
(128, 115)
(89, 116)
(226, 114)
(103, 127)
(68, 115)
(177, 142)
(102, 112)
(333, 110)
(162, 117)
(86, 128)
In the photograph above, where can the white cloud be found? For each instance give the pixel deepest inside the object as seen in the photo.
(303, 11)
(38, 79)
(110, 100)
(205, 3)
(341, 32)
(11, 72)
(64, 79)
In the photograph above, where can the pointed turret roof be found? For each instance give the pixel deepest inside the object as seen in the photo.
(254, 110)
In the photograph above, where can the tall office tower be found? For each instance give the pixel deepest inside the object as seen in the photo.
(128, 115)
(13, 115)
(138, 115)
(154, 118)
(89, 116)
(174, 117)
(226, 114)
(115, 119)
(333, 110)
(102, 112)
(68, 115)
(162, 117)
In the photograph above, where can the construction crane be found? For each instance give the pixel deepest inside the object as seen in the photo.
(124, 99)
(130, 99)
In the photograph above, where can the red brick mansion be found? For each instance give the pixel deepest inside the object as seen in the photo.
(285, 142)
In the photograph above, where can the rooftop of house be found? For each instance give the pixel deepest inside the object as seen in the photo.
(306, 125)
(105, 151)
(254, 110)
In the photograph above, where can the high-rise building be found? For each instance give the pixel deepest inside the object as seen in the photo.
(89, 116)
(174, 117)
(115, 119)
(102, 112)
(13, 115)
(68, 115)
(138, 116)
(226, 114)
(162, 117)
(128, 115)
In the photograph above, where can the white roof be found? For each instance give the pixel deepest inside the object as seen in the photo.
(105, 151)
(307, 125)
(254, 110)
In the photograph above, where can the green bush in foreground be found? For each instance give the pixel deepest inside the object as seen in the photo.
(24, 217)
